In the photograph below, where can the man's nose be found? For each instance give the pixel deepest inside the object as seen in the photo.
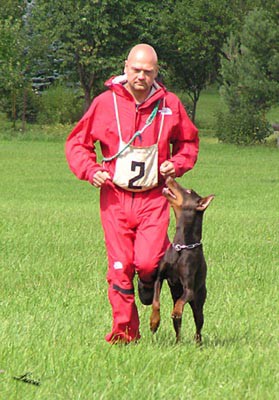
(141, 75)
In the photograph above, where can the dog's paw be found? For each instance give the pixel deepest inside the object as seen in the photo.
(154, 323)
(154, 327)
(198, 339)
(176, 315)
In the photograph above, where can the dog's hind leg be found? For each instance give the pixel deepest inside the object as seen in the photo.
(155, 316)
(197, 308)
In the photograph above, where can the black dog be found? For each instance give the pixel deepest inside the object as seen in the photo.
(183, 264)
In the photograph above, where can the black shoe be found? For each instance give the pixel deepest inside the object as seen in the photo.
(146, 292)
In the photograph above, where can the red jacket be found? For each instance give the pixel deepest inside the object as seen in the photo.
(99, 124)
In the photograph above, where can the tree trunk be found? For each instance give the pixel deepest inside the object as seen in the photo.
(24, 106)
(195, 98)
(86, 83)
(194, 111)
(87, 99)
(14, 109)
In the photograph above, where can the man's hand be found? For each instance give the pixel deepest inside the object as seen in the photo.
(167, 169)
(99, 178)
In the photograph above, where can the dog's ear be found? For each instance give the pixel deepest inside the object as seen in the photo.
(204, 202)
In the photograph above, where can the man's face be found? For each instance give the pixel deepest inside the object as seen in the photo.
(140, 74)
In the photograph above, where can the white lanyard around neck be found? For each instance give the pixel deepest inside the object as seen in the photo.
(139, 132)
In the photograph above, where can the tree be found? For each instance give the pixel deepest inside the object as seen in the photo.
(12, 9)
(91, 37)
(16, 58)
(79, 42)
(192, 34)
(251, 79)
(260, 59)
(12, 63)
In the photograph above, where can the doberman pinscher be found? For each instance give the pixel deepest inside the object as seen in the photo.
(183, 264)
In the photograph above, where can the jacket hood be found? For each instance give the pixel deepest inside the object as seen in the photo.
(116, 84)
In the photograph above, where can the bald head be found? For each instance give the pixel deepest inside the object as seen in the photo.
(141, 69)
(143, 52)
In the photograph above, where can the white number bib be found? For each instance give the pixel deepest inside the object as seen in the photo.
(136, 168)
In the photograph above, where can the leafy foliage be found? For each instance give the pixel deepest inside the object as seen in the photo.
(242, 127)
(193, 35)
(83, 42)
(250, 79)
(59, 104)
(18, 103)
(12, 64)
(92, 37)
(18, 51)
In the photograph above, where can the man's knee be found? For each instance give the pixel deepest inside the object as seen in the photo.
(147, 271)
(121, 275)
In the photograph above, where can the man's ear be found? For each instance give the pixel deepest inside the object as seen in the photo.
(156, 71)
(204, 202)
(125, 66)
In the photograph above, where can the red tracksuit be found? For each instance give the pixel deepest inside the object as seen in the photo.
(135, 223)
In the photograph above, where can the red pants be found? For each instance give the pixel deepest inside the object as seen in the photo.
(135, 227)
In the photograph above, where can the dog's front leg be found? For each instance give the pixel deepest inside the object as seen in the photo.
(187, 296)
(178, 311)
(177, 317)
(155, 316)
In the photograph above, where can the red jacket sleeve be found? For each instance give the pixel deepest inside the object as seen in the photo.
(186, 143)
(80, 148)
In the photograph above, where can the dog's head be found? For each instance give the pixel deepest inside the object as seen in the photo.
(181, 199)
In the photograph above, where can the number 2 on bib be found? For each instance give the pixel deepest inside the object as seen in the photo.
(140, 166)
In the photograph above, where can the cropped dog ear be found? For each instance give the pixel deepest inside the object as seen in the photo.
(204, 202)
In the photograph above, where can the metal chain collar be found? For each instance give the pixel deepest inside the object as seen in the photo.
(179, 247)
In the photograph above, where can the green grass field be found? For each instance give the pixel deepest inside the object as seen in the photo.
(54, 310)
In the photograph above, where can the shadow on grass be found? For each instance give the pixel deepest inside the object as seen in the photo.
(168, 340)
(223, 341)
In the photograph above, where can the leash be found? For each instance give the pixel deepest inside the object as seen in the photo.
(136, 134)
(179, 247)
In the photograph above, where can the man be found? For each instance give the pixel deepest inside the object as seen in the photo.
(135, 121)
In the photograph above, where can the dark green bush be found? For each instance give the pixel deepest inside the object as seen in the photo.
(13, 104)
(250, 83)
(60, 104)
(242, 127)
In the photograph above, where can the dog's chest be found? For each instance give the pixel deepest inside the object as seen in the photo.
(185, 265)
